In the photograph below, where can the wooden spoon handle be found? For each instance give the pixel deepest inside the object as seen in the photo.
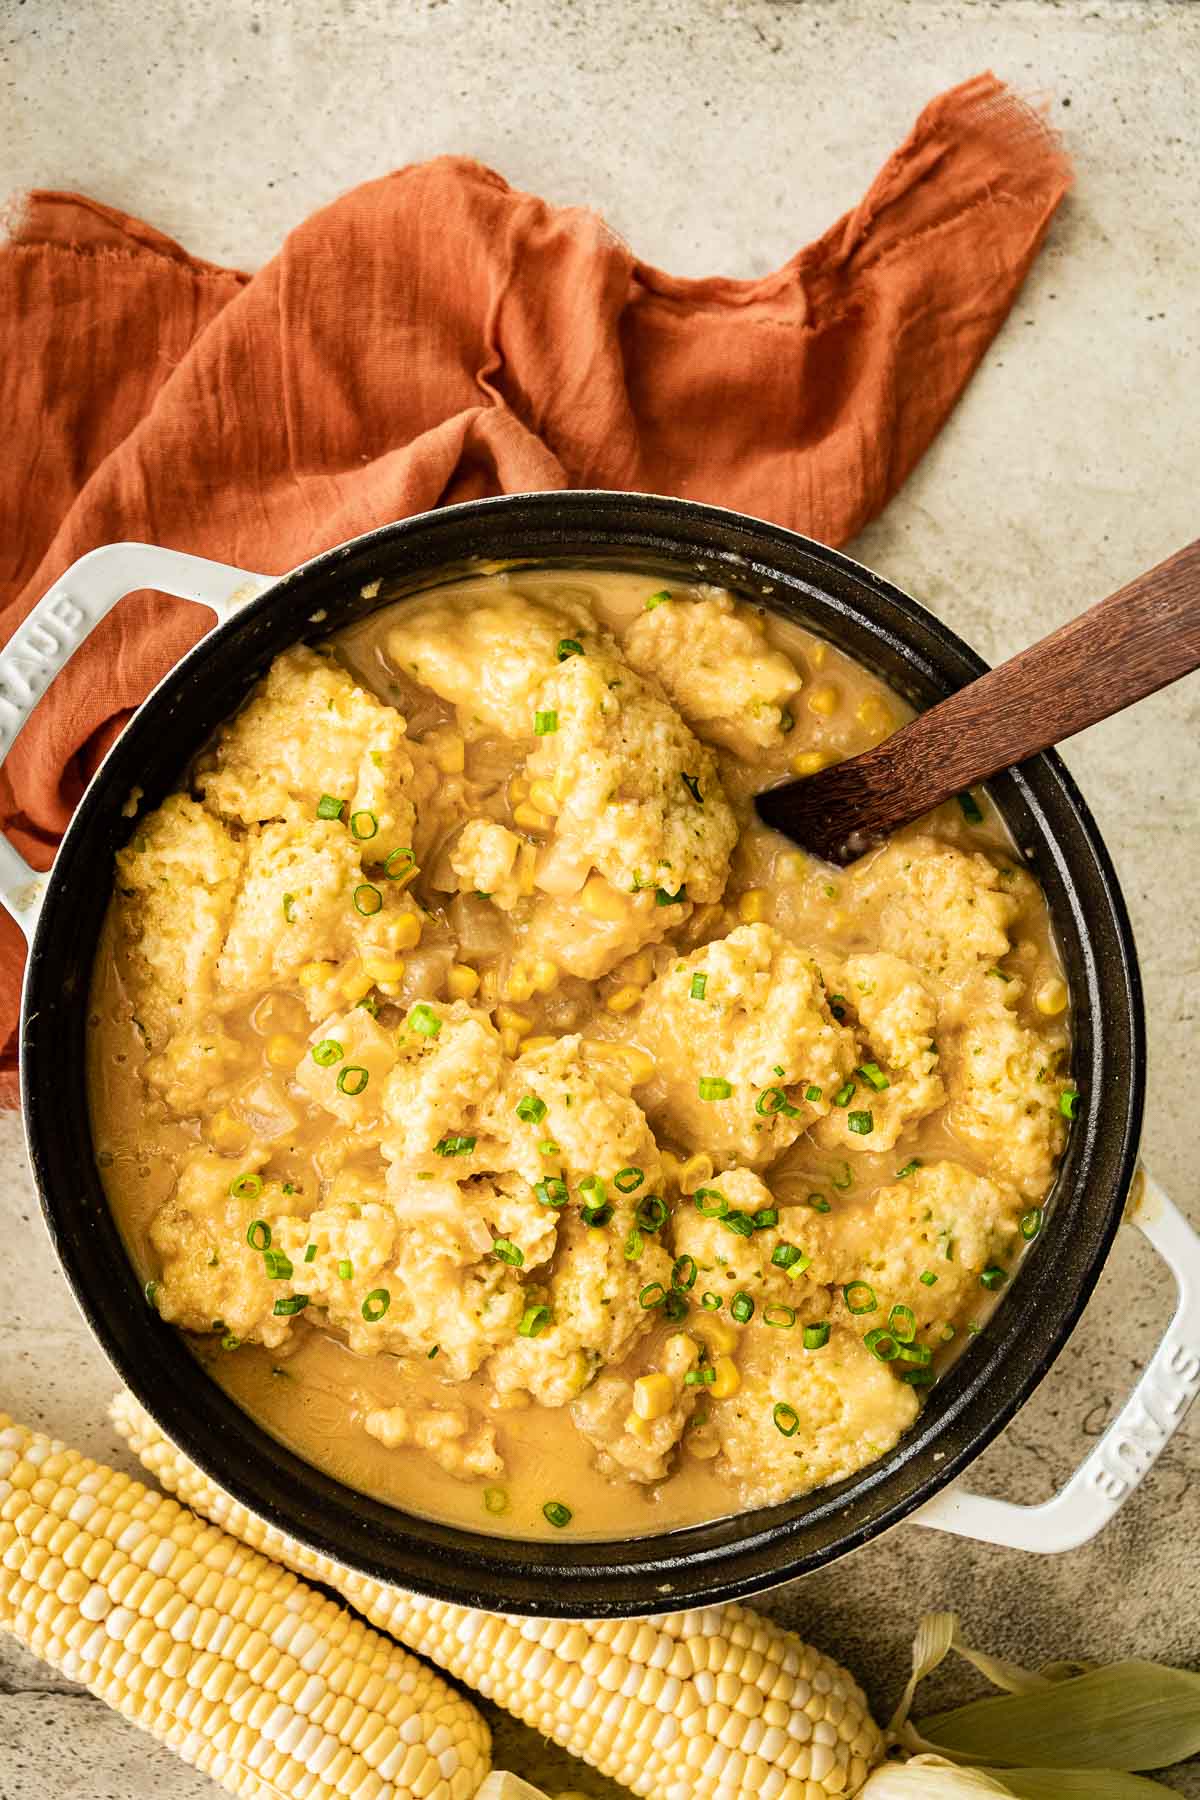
(1141, 638)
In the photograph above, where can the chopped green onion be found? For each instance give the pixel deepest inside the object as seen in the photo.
(569, 647)
(740, 1223)
(845, 1094)
(286, 1309)
(692, 784)
(699, 983)
(422, 1018)
(765, 1217)
(352, 1079)
(861, 1122)
(699, 1377)
(999, 974)
(627, 1180)
(597, 1215)
(1031, 1223)
(369, 1004)
(534, 1321)
(545, 723)
(742, 1307)
(258, 1234)
(683, 1272)
(328, 1051)
(430, 1354)
(363, 825)
(787, 1419)
(454, 1146)
(231, 1342)
(787, 721)
(1068, 1102)
(508, 1252)
(948, 1332)
(782, 1317)
(150, 1290)
(635, 1243)
(773, 1100)
(812, 1093)
(816, 1336)
(329, 808)
(403, 858)
(659, 599)
(882, 1345)
(710, 1203)
(548, 1147)
(928, 1278)
(675, 1306)
(909, 1168)
(345, 1269)
(971, 810)
(917, 1377)
(902, 1323)
(845, 1179)
(367, 899)
(375, 1305)
(837, 1002)
(653, 1294)
(594, 1189)
(289, 908)
(874, 1074)
(246, 1187)
(711, 1302)
(662, 897)
(993, 1277)
(651, 1212)
(277, 1265)
(715, 1087)
(556, 1513)
(915, 1353)
(859, 1297)
(495, 1500)
(819, 1203)
(531, 1109)
(552, 1191)
(784, 1255)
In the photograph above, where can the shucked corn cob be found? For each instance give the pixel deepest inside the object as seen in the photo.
(246, 1673)
(718, 1704)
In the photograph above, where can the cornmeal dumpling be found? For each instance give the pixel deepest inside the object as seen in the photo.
(717, 667)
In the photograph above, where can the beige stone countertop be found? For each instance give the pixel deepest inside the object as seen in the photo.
(717, 136)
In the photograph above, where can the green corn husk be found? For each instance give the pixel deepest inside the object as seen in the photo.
(502, 1784)
(1134, 1715)
(1081, 1784)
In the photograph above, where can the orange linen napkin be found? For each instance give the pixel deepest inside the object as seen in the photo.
(434, 336)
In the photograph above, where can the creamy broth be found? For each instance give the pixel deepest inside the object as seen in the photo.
(314, 1390)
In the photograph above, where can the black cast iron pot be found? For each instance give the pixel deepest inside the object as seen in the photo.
(666, 539)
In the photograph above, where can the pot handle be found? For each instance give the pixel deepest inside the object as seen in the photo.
(1137, 1436)
(45, 641)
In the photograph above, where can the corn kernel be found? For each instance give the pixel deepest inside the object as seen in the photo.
(314, 973)
(225, 1131)
(526, 867)
(816, 653)
(638, 1427)
(544, 976)
(447, 748)
(530, 818)
(728, 1378)
(510, 1041)
(509, 1019)
(695, 1172)
(793, 865)
(516, 1400)
(489, 988)
(283, 1050)
(823, 700)
(653, 1395)
(356, 984)
(462, 981)
(752, 907)
(875, 716)
(541, 1042)
(639, 968)
(544, 797)
(717, 1333)
(518, 790)
(703, 1443)
(404, 933)
(641, 1066)
(623, 999)
(672, 1166)
(602, 900)
(518, 983)
(810, 762)
(1051, 997)
(384, 968)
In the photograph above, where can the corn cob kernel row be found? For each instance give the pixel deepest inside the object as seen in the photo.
(224, 1656)
(718, 1704)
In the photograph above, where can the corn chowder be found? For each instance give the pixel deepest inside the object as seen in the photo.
(520, 1130)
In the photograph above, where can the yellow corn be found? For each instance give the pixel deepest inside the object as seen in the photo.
(510, 1041)
(717, 1333)
(603, 901)
(793, 865)
(462, 981)
(728, 1378)
(518, 984)
(640, 1064)
(314, 973)
(1051, 997)
(875, 716)
(544, 975)
(810, 762)
(518, 790)
(752, 907)
(509, 1019)
(538, 1043)
(671, 1167)
(528, 815)
(544, 797)
(355, 984)
(816, 653)
(225, 1131)
(653, 1395)
(447, 748)
(231, 1660)
(623, 999)
(639, 968)
(526, 867)
(489, 988)
(283, 1050)
(717, 1704)
(823, 700)
(638, 1427)
(404, 933)
(384, 968)
(695, 1172)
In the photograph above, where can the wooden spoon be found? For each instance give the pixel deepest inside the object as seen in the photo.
(1140, 639)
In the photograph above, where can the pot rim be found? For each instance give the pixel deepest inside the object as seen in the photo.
(578, 1578)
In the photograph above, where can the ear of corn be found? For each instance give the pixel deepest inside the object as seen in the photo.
(717, 1704)
(270, 1688)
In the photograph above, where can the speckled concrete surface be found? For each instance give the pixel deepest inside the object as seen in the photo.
(717, 135)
